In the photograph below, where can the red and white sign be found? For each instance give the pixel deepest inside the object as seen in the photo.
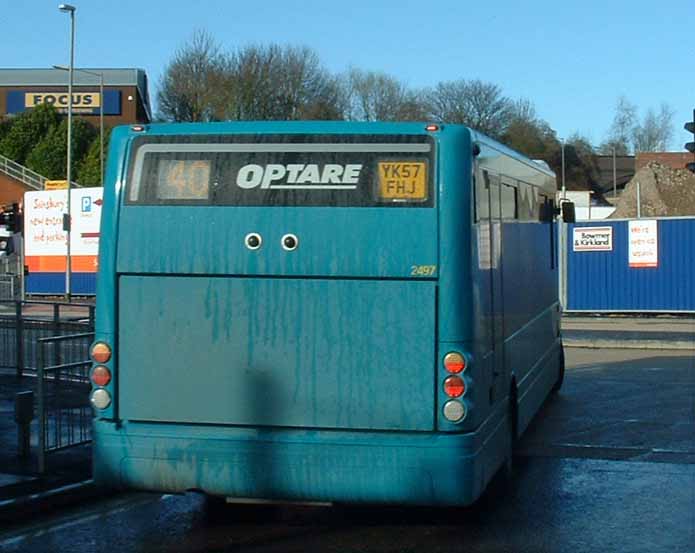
(643, 246)
(45, 242)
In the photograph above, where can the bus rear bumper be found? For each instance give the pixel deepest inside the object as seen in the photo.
(294, 465)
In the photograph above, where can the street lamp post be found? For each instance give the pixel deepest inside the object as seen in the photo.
(564, 191)
(101, 112)
(101, 127)
(615, 177)
(67, 223)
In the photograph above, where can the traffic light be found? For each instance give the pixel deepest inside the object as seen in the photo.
(6, 245)
(690, 146)
(11, 218)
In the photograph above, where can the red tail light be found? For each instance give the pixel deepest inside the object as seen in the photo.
(101, 376)
(454, 362)
(454, 386)
(101, 352)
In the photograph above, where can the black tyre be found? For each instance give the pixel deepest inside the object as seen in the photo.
(561, 372)
(513, 421)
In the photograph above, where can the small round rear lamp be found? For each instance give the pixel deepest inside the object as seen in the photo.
(454, 362)
(454, 386)
(101, 352)
(100, 399)
(101, 376)
(454, 411)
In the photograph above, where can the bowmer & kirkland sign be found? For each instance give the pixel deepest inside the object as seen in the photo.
(592, 239)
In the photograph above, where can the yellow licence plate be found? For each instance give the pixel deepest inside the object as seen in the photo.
(403, 180)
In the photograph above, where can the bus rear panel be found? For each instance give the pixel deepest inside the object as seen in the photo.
(278, 300)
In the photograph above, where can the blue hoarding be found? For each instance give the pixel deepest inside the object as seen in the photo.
(609, 277)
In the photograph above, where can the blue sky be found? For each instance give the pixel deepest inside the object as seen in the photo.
(572, 59)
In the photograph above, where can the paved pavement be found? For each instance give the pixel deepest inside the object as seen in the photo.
(629, 332)
(608, 465)
(19, 480)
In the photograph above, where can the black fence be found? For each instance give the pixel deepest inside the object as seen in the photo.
(50, 341)
(65, 416)
(24, 323)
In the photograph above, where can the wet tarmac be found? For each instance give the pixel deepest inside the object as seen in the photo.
(608, 465)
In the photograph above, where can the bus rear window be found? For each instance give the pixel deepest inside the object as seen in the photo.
(293, 170)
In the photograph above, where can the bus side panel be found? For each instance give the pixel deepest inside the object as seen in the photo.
(531, 312)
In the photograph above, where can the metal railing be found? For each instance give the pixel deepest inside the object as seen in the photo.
(64, 413)
(23, 174)
(11, 274)
(10, 287)
(24, 323)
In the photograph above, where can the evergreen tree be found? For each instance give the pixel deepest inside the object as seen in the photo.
(27, 130)
(48, 158)
(89, 170)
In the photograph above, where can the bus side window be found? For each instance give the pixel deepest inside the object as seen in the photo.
(482, 199)
(510, 209)
(547, 215)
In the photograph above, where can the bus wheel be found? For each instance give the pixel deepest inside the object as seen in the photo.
(513, 425)
(561, 372)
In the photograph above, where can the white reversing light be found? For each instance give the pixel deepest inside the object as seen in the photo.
(454, 411)
(100, 399)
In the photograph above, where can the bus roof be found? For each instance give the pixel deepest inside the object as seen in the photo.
(340, 127)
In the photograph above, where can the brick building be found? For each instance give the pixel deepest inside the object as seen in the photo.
(675, 160)
(126, 99)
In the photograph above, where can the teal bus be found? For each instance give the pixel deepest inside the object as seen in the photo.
(321, 311)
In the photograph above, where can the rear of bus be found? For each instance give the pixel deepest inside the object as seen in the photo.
(275, 302)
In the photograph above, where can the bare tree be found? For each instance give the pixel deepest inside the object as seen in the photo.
(523, 110)
(528, 133)
(620, 134)
(305, 89)
(280, 83)
(374, 96)
(628, 134)
(189, 89)
(655, 131)
(475, 103)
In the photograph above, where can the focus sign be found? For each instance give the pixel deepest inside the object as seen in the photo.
(403, 181)
(592, 239)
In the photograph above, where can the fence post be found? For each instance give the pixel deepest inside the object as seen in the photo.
(563, 253)
(56, 330)
(19, 342)
(23, 415)
(42, 409)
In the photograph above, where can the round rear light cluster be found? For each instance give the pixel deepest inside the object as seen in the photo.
(455, 363)
(100, 352)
